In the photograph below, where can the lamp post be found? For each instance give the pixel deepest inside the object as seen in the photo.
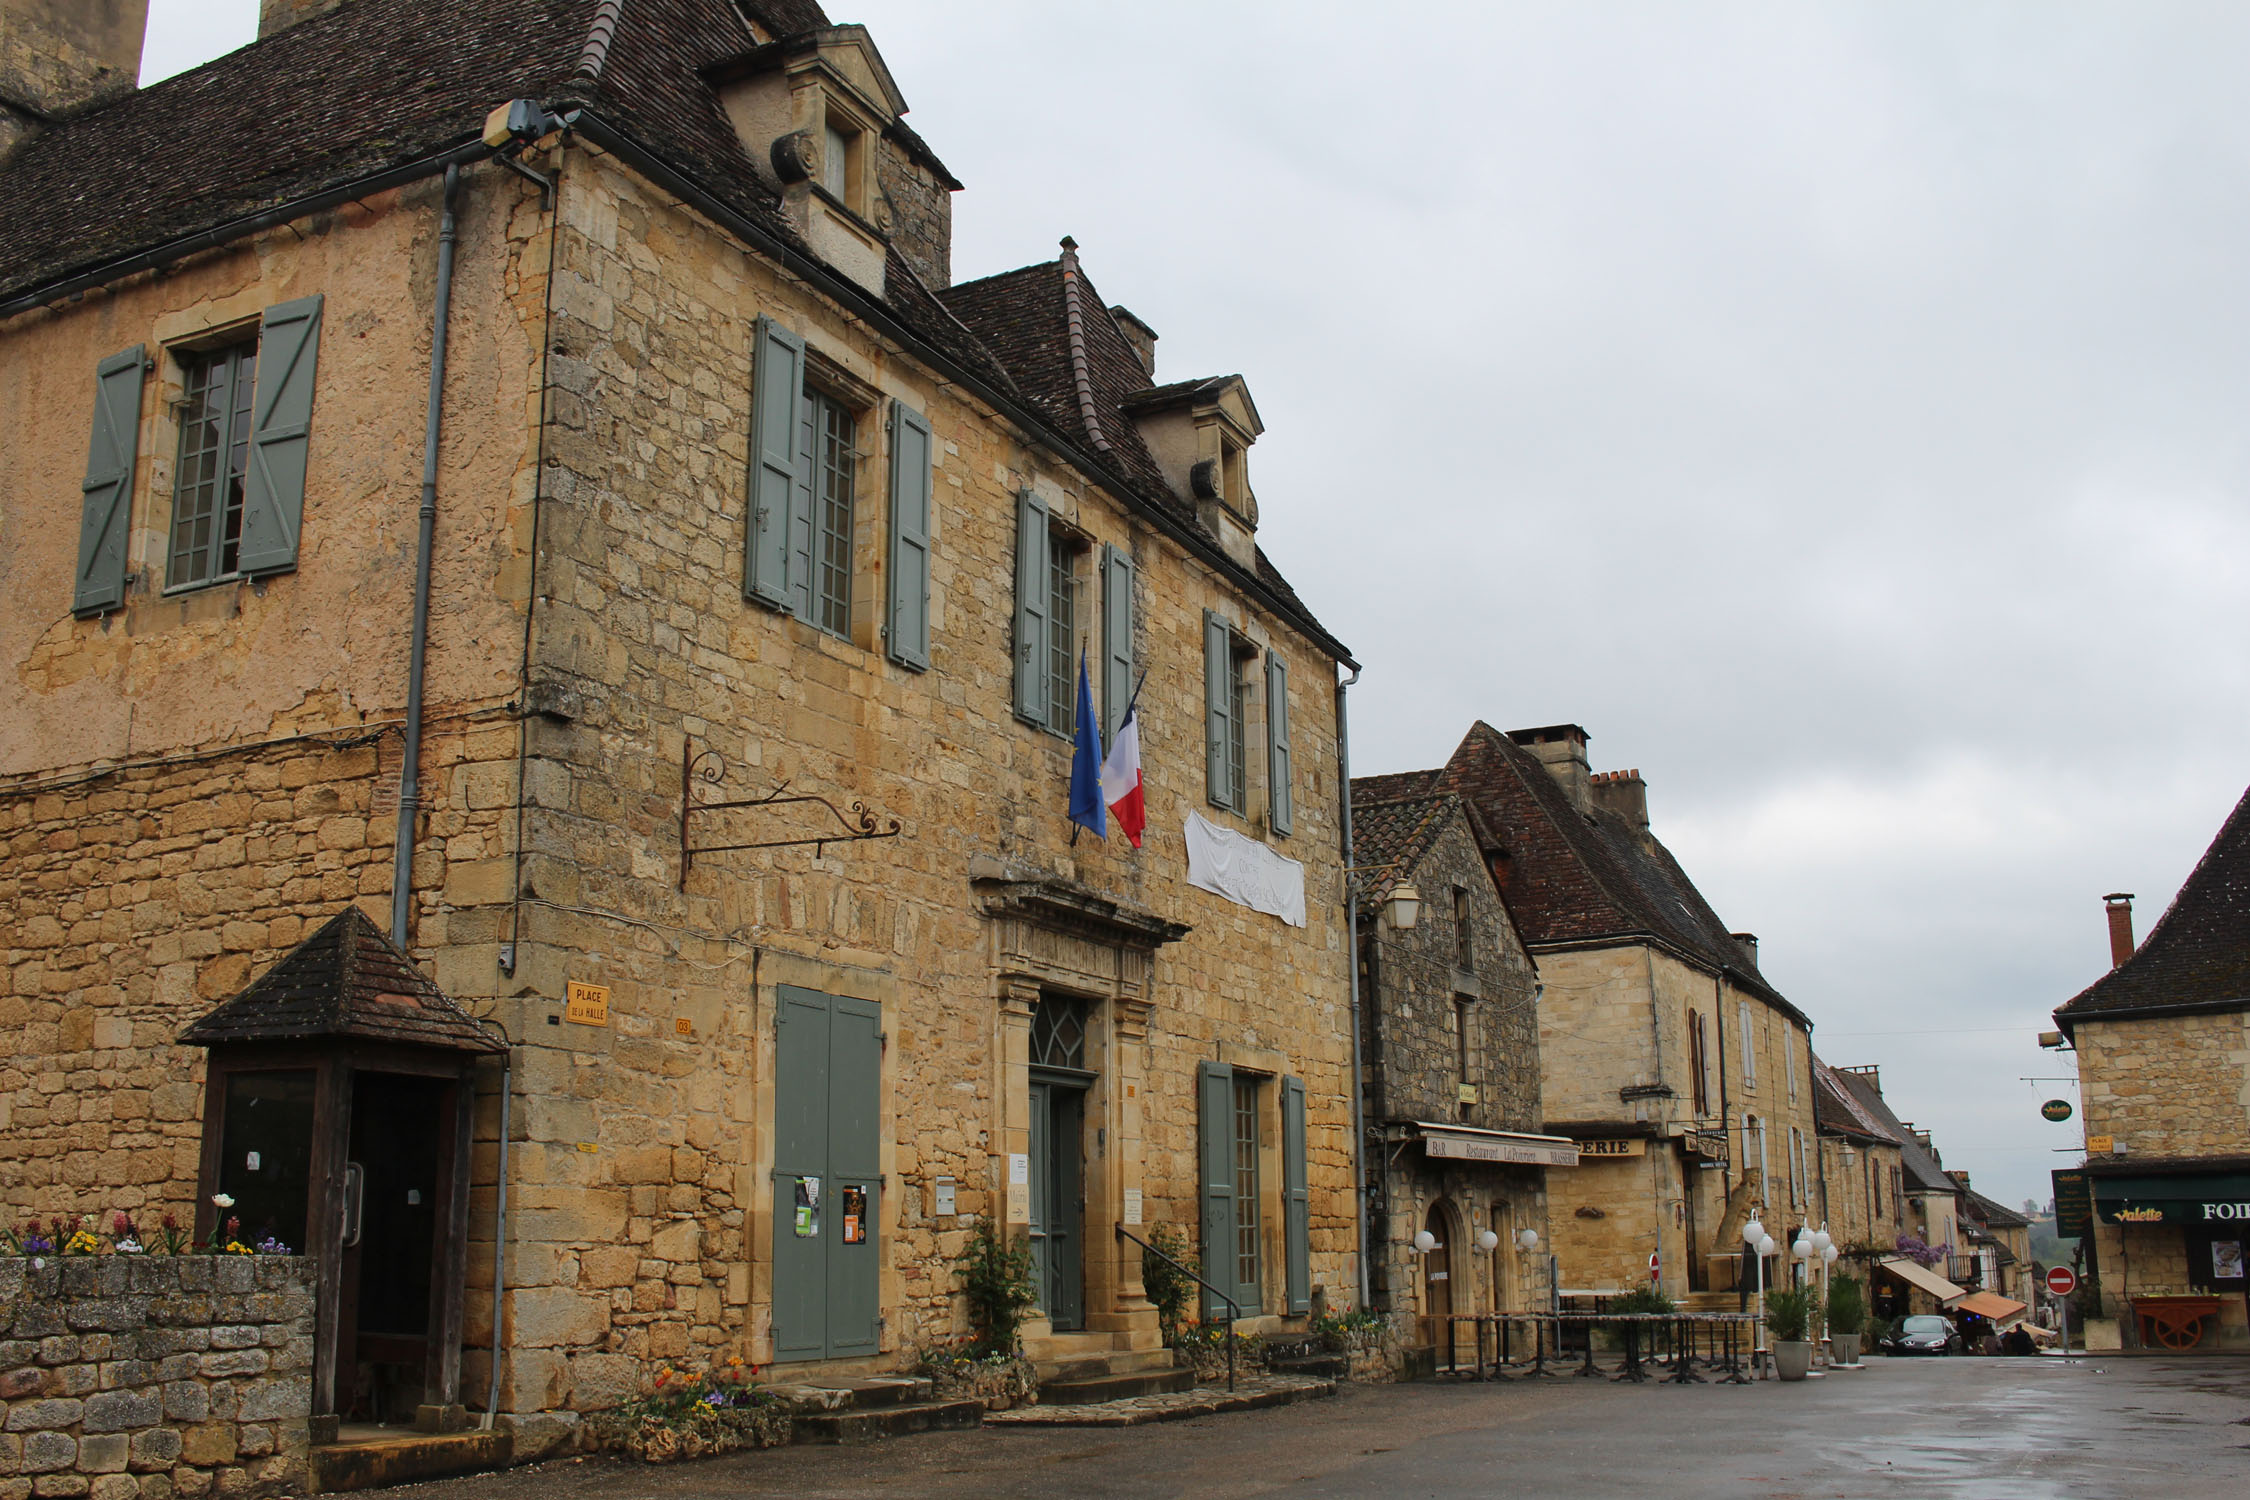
(1824, 1250)
(1760, 1245)
(1801, 1251)
(1527, 1240)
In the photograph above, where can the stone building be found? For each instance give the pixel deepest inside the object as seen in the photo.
(1999, 1242)
(727, 783)
(1928, 1249)
(2163, 1043)
(1685, 1077)
(1449, 1048)
(1860, 1173)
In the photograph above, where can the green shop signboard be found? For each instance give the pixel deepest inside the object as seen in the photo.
(2216, 1201)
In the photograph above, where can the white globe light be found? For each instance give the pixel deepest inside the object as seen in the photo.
(1802, 1248)
(1828, 1255)
(1528, 1238)
(1424, 1241)
(1488, 1241)
(1765, 1247)
(1822, 1242)
(1753, 1231)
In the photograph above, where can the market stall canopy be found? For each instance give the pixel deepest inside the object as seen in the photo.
(1925, 1278)
(1991, 1305)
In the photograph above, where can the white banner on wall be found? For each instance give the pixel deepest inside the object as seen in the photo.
(1244, 871)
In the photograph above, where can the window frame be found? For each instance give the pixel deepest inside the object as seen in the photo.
(238, 347)
(827, 608)
(1065, 590)
(1749, 1048)
(1249, 1211)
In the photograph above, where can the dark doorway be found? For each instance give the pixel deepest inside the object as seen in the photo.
(1058, 1198)
(1437, 1263)
(393, 1189)
(265, 1164)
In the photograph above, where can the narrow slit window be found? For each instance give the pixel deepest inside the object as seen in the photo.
(836, 433)
(1062, 635)
(206, 543)
(1246, 1184)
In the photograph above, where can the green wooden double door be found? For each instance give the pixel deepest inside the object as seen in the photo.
(1058, 1195)
(827, 1187)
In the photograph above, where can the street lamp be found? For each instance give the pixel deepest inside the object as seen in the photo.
(1402, 908)
(1761, 1245)
(1424, 1242)
(1488, 1241)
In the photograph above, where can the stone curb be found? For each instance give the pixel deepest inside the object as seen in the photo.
(1173, 1407)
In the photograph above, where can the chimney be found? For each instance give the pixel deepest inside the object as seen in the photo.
(280, 15)
(1625, 794)
(1140, 336)
(1561, 748)
(1748, 943)
(2119, 904)
(58, 54)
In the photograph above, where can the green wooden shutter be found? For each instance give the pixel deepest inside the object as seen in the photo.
(1117, 636)
(800, 1150)
(855, 1074)
(1031, 608)
(1218, 707)
(801, 510)
(273, 491)
(777, 381)
(913, 453)
(1281, 807)
(105, 517)
(1215, 1097)
(1296, 1196)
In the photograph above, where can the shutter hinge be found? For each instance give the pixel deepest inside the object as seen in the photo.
(883, 1040)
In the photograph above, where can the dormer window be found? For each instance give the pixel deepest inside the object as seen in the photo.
(839, 162)
(1234, 478)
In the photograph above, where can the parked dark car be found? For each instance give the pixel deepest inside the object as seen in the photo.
(1924, 1334)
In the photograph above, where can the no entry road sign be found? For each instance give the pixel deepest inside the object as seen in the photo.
(2062, 1281)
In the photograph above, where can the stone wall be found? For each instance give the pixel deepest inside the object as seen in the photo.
(1853, 1194)
(155, 1376)
(2167, 1085)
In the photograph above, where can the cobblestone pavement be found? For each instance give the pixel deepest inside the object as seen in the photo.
(1943, 1429)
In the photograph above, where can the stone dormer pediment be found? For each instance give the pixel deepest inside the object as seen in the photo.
(810, 111)
(1200, 433)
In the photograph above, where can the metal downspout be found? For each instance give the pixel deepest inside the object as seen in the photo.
(409, 778)
(1351, 957)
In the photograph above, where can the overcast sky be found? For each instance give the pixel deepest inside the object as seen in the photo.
(1838, 410)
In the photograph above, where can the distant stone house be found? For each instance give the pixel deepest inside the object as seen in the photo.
(1449, 1004)
(1860, 1174)
(2163, 1044)
(1684, 1076)
(1999, 1244)
(727, 785)
(1927, 1204)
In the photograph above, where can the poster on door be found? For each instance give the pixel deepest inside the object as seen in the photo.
(855, 1216)
(807, 1223)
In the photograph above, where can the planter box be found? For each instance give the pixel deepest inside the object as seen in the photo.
(1791, 1360)
(1843, 1348)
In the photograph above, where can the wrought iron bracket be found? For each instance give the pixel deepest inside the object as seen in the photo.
(709, 768)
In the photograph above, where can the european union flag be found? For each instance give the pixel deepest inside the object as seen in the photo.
(1086, 809)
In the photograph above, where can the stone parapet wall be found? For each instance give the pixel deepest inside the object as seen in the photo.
(155, 1376)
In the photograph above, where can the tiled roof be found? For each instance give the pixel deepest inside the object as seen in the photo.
(1987, 1211)
(346, 980)
(1574, 877)
(2197, 956)
(1921, 1171)
(1390, 836)
(1836, 1111)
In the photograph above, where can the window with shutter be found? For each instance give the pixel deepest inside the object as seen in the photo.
(1062, 635)
(1281, 811)
(1034, 586)
(1749, 1051)
(1789, 1056)
(1222, 714)
(1296, 1197)
(777, 382)
(1117, 638)
(105, 516)
(273, 484)
(913, 460)
(1215, 1153)
(213, 461)
(835, 435)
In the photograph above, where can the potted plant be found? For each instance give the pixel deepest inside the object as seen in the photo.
(1789, 1321)
(1847, 1319)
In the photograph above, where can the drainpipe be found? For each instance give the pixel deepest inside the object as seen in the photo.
(409, 779)
(1351, 920)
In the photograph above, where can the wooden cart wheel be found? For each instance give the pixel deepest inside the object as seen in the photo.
(2185, 1334)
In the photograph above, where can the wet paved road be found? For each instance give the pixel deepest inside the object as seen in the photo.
(1951, 1429)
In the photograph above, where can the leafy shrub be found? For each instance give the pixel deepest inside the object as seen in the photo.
(1000, 1381)
(1847, 1305)
(1169, 1287)
(996, 1277)
(1644, 1299)
(694, 1416)
(1789, 1313)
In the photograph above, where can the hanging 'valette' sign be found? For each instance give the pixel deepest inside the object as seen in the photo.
(2056, 1109)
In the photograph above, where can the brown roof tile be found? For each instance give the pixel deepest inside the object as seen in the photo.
(346, 980)
(2197, 956)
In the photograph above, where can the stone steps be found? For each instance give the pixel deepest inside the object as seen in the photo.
(1085, 1390)
(1316, 1366)
(866, 1411)
(373, 1463)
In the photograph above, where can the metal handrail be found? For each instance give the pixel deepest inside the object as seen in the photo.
(1234, 1308)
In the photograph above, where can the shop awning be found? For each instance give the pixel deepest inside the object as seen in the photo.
(2173, 1198)
(1517, 1148)
(1990, 1305)
(1923, 1277)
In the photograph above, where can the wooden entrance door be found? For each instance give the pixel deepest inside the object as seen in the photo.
(395, 1188)
(1437, 1264)
(1058, 1199)
(827, 1159)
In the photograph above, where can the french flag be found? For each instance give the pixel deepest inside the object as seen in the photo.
(1121, 778)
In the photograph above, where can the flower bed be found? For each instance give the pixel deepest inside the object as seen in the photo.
(1001, 1381)
(694, 1416)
